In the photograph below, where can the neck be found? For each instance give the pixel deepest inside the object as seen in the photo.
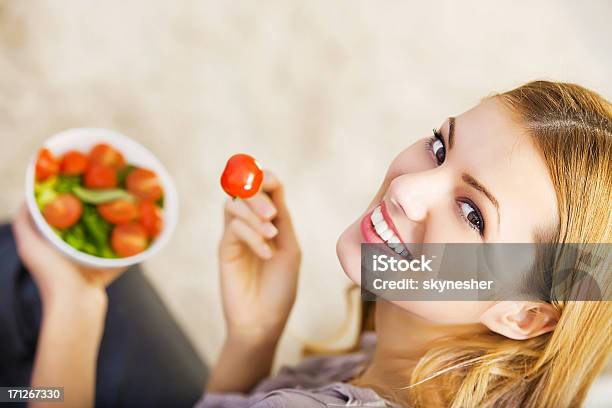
(402, 339)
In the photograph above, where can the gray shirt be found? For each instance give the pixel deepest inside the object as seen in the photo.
(316, 382)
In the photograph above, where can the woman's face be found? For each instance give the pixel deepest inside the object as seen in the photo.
(480, 179)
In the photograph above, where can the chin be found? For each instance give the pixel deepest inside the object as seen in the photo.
(348, 249)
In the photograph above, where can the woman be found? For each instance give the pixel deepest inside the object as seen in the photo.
(530, 165)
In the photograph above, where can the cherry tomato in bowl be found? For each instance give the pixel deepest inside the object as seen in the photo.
(119, 211)
(242, 176)
(151, 218)
(144, 184)
(98, 176)
(64, 211)
(47, 165)
(73, 163)
(129, 239)
(105, 155)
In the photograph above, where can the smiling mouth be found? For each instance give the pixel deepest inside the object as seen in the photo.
(383, 228)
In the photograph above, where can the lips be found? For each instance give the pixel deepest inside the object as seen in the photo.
(378, 228)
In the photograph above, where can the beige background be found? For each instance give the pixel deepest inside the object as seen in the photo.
(324, 93)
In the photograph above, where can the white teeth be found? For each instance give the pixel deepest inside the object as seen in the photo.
(393, 240)
(386, 234)
(393, 246)
(381, 227)
(376, 216)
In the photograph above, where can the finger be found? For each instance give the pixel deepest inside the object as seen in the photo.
(274, 190)
(23, 228)
(32, 248)
(241, 209)
(263, 206)
(19, 224)
(270, 182)
(251, 238)
(261, 202)
(286, 238)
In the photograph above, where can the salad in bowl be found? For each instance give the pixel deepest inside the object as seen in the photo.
(100, 197)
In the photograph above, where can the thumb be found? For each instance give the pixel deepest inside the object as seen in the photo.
(30, 244)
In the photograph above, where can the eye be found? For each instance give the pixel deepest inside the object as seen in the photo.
(435, 145)
(470, 213)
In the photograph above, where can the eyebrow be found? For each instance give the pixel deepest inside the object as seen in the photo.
(469, 180)
(472, 182)
(451, 132)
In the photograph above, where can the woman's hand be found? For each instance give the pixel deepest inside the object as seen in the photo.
(259, 260)
(57, 278)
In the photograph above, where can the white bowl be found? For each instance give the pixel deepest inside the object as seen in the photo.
(83, 139)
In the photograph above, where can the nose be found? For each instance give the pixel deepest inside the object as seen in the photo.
(418, 193)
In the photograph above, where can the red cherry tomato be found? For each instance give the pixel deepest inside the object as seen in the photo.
(129, 239)
(242, 176)
(98, 176)
(151, 218)
(144, 184)
(47, 165)
(119, 211)
(64, 211)
(73, 163)
(105, 155)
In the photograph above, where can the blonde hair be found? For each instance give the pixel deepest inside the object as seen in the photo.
(572, 129)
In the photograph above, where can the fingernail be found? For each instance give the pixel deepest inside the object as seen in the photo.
(268, 211)
(270, 230)
(266, 251)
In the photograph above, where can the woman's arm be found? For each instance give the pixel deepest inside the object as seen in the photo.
(242, 364)
(74, 303)
(259, 259)
(67, 349)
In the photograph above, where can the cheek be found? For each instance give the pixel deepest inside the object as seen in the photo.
(449, 312)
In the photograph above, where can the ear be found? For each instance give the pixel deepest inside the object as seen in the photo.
(520, 320)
